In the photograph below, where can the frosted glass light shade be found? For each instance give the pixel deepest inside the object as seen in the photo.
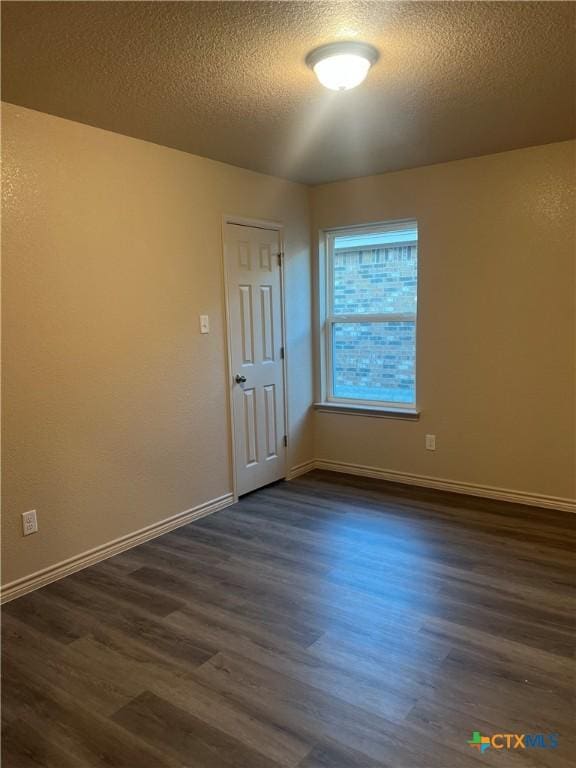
(342, 72)
(341, 66)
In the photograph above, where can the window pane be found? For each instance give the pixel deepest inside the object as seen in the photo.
(374, 361)
(373, 279)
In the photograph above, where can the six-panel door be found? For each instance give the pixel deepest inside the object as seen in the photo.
(255, 339)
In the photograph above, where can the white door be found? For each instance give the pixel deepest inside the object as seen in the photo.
(255, 340)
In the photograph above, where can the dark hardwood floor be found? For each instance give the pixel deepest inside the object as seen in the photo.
(330, 622)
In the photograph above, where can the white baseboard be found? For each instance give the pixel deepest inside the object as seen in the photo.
(45, 576)
(470, 489)
(59, 570)
(301, 469)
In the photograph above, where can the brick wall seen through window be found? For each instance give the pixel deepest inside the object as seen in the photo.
(373, 360)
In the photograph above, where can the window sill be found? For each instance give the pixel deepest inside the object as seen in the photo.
(410, 414)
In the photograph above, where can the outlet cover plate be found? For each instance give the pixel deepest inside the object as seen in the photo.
(29, 522)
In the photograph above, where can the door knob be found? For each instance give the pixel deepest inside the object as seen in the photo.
(240, 379)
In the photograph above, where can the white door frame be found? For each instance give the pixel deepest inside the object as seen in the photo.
(275, 226)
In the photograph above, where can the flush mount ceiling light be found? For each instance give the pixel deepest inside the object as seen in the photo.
(341, 66)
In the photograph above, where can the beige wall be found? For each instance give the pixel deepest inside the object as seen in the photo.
(496, 322)
(114, 405)
(114, 412)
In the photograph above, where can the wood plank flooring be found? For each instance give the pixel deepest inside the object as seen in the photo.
(329, 622)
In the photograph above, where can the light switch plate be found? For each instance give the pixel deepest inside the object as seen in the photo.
(204, 324)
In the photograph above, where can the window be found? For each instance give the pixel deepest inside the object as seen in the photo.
(370, 324)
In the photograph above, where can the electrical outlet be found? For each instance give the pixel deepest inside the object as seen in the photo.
(430, 442)
(29, 522)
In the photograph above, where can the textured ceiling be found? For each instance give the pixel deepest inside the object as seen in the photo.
(227, 80)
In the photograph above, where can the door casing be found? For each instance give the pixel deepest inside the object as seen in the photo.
(274, 226)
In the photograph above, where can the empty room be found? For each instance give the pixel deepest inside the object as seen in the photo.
(288, 384)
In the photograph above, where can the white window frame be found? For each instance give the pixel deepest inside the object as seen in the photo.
(329, 319)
